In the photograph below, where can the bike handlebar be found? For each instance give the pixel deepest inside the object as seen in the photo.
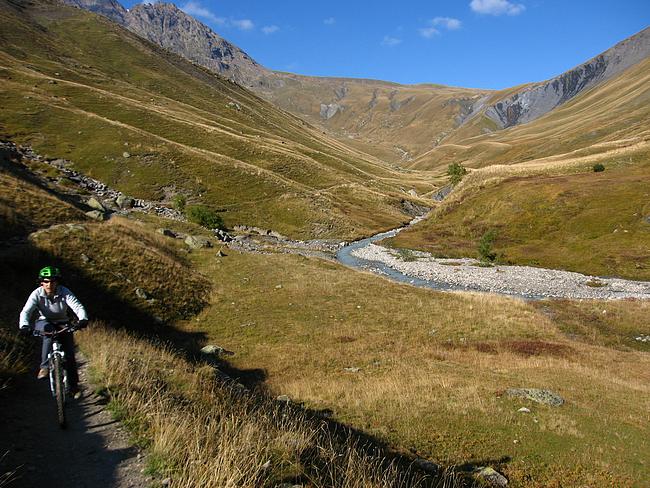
(67, 328)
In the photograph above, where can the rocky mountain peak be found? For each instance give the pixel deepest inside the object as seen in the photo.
(534, 101)
(168, 26)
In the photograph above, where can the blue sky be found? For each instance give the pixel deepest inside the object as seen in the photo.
(469, 43)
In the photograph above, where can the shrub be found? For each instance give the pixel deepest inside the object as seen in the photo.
(598, 168)
(456, 171)
(204, 216)
(179, 202)
(485, 251)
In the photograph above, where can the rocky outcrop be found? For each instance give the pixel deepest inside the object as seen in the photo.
(327, 111)
(167, 26)
(534, 101)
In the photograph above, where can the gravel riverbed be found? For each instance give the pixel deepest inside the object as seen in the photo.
(525, 281)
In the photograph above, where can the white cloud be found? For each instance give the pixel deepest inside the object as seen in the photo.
(243, 24)
(195, 9)
(429, 32)
(496, 7)
(438, 23)
(390, 41)
(329, 21)
(270, 29)
(447, 22)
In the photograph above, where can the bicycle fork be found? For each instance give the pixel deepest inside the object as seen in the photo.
(57, 351)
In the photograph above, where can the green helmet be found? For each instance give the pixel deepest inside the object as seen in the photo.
(51, 272)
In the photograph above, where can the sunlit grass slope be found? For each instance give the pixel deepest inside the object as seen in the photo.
(612, 115)
(77, 86)
(396, 122)
(594, 223)
(197, 429)
(432, 367)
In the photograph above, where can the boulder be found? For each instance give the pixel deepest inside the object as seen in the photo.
(96, 215)
(95, 204)
(427, 466)
(283, 399)
(214, 350)
(545, 397)
(167, 232)
(124, 202)
(140, 293)
(198, 242)
(492, 477)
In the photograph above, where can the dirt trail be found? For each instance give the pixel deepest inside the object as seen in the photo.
(93, 451)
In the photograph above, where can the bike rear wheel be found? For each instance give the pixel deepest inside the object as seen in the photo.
(59, 391)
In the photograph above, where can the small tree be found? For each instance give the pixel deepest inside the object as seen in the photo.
(598, 168)
(456, 171)
(204, 216)
(485, 251)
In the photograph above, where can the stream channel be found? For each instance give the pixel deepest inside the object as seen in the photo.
(526, 282)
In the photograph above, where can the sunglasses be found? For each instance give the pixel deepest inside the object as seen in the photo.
(48, 281)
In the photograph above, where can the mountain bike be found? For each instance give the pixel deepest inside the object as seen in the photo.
(56, 364)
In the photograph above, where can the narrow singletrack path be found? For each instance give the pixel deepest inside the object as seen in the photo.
(93, 451)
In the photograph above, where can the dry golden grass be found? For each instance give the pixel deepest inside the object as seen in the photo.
(122, 255)
(433, 367)
(24, 207)
(202, 434)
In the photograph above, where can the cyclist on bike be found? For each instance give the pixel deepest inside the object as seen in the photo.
(52, 300)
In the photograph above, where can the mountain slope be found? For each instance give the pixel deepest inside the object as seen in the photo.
(394, 122)
(147, 122)
(537, 100)
(167, 26)
(612, 115)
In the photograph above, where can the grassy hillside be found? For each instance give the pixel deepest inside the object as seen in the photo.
(594, 223)
(426, 371)
(196, 429)
(395, 122)
(432, 366)
(76, 86)
(612, 115)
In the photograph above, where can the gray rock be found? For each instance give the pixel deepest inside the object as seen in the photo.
(166, 232)
(283, 399)
(96, 215)
(124, 202)
(140, 293)
(198, 242)
(427, 466)
(352, 369)
(126, 154)
(327, 111)
(95, 204)
(214, 350)
(545, 397)
(492, 477)
(109, 204)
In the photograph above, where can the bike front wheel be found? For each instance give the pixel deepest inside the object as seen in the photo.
(59, 391)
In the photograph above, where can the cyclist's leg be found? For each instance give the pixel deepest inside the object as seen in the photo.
(70, 361)
(44, 326)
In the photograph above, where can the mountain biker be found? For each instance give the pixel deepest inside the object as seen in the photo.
(52, 300)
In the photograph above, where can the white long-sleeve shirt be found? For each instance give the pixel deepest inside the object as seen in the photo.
(53, 308)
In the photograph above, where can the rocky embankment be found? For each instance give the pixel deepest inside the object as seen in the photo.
(524, 281)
